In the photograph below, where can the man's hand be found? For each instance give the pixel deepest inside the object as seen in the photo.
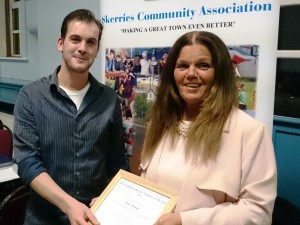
(77, 212)
(80, 214)
(93, 201)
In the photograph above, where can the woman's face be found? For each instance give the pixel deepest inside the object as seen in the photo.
(194, 74)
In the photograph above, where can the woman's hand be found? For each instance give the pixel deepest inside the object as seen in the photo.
(169, 219)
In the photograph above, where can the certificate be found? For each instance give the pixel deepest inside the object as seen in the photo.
(132, 200)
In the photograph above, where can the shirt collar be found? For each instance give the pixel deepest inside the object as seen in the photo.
(96, 87)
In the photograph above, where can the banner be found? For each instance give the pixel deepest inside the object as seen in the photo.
(138, 35)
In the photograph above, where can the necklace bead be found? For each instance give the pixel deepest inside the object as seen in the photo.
(182, 128)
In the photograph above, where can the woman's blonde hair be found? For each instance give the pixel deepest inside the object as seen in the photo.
(204, 136)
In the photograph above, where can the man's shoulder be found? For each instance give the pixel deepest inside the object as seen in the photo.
(39, 85)
(108, 90)
(103, 88)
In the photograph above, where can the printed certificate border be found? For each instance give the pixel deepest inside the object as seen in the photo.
(139, 181)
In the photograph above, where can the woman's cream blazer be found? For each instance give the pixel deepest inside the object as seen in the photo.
(239, 187)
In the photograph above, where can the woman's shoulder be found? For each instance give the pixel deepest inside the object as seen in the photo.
(241, 119)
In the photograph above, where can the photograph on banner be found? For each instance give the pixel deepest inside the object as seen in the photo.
(245, 60)
(134, 74)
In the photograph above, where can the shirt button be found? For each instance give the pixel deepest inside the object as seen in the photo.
(77, 192)
(77, 154)
(77, 173)
(77, 136)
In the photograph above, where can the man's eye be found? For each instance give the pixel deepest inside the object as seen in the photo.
(92, 42)
(74, 39)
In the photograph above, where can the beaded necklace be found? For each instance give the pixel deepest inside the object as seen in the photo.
(182, 128)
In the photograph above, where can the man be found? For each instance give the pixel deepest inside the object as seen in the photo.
(68, 131)
(110, 62)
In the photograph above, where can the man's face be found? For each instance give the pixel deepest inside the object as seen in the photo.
(111, 56)
(80, 46)
(137, 60)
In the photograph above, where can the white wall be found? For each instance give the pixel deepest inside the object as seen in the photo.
(42, 26)
(25, 68)
(50, 15)
(2, 28)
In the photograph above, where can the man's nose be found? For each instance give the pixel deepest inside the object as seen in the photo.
(82, 47)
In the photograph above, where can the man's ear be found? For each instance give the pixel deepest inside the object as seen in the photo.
(60, 44)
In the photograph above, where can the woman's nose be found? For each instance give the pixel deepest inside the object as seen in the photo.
(191, 72)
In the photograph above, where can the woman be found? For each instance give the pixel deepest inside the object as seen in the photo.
(216, 158)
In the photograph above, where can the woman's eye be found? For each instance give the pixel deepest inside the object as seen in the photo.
(204, 66)
(182, 66)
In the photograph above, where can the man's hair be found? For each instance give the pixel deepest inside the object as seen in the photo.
(83, 15)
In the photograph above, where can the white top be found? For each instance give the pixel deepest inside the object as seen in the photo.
(77, 96)
(166, 172)
(145, 66)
